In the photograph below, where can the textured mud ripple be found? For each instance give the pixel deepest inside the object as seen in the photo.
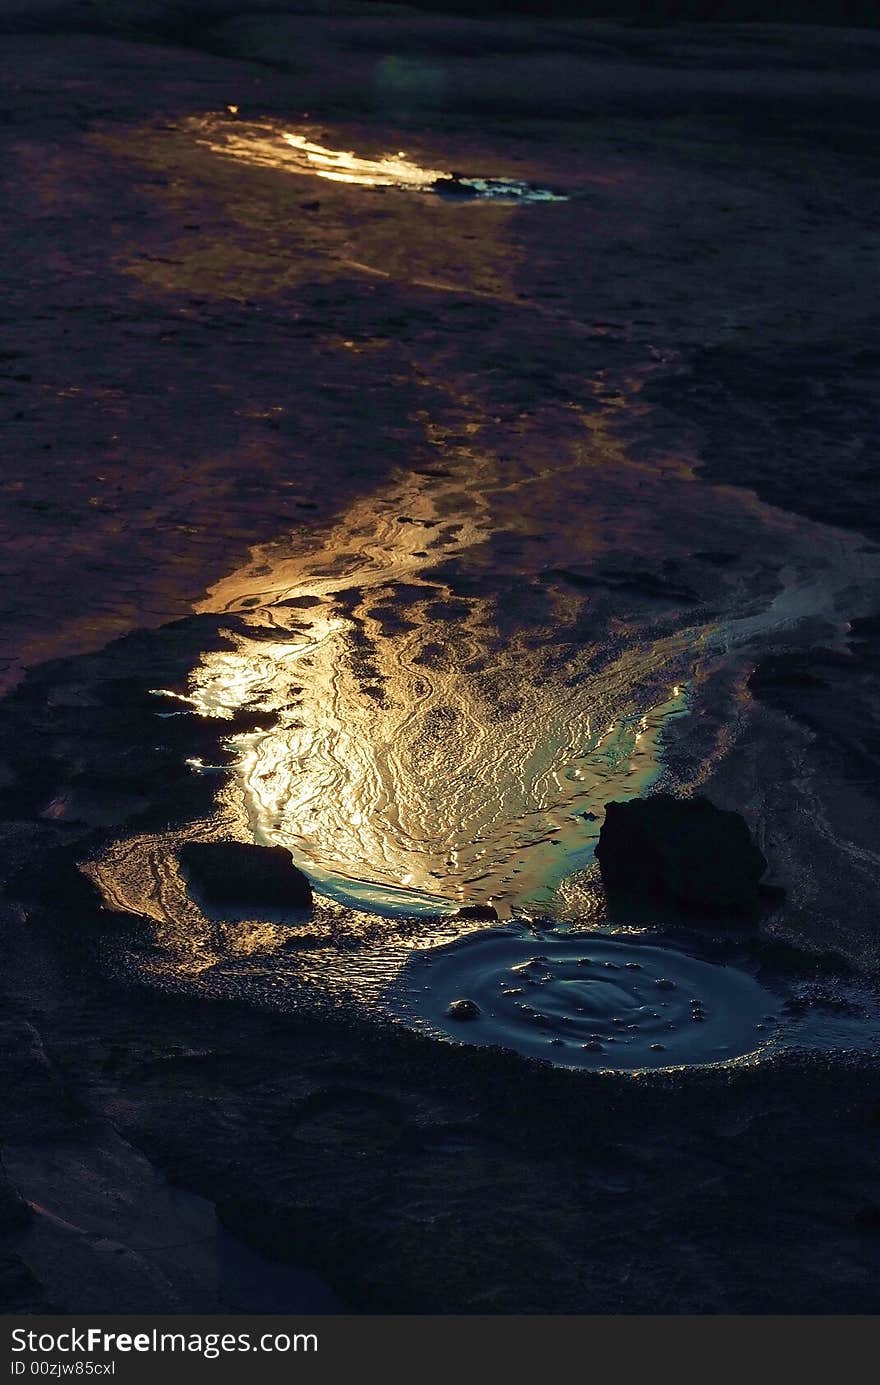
(436, 736)
(597, 1002)
(444, 724)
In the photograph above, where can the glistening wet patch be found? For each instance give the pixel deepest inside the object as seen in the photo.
(270, 145)
(593, 1001)
(424, 745)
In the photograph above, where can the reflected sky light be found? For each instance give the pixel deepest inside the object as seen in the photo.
(419, 756)
(274, 146)
(389, 170)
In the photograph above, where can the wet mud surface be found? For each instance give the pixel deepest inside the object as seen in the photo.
(619, 1006)
(409, 455)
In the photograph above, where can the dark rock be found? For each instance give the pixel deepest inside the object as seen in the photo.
(686, 851)
(303, 603)
(454, 187)
(240, 874)
(477, 911)
(463, 1010)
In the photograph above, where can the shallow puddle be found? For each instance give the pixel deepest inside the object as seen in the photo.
(442, 688)
(425, 746)
(444, 726)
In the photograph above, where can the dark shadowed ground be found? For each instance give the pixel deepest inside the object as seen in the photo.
(222, 380)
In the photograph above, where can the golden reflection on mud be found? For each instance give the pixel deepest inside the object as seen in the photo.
(423, 786)
(461, 672)
(275, 147)
(421, 751)
(272, 146)
(345, 167)
(446, 685)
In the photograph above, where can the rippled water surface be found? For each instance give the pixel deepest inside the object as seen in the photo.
(447, 711)
(597, 1001)
(430, 748)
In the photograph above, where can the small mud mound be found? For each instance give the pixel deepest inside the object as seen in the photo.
(598, 1001)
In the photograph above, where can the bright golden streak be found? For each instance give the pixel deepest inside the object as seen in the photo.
(343, 166)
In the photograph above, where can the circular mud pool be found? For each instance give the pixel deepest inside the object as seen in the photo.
(594, 1001)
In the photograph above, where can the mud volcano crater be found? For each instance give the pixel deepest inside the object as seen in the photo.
(594, 1001)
